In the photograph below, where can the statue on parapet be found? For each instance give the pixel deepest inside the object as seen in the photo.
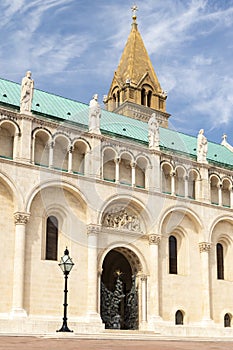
(94, 115)
(27, 89)
(153, 132)
(202, 147)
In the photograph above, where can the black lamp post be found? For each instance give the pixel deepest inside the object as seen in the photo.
(66, 265)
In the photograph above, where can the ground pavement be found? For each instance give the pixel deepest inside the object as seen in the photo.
(65, 343)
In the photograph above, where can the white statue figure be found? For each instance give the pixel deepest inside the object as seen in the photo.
(153, 132)
(94, 115)
(202, 147)
(27, 88)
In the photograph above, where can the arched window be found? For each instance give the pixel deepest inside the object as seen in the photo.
(51, 238)
(220, 261)
(149, 95)
(118, 98)
(179, 317)
(143, 97)
(227, 320)
(172, 255)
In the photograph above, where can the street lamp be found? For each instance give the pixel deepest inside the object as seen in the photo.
(66, 265)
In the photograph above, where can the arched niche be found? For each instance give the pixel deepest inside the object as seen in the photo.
(80, 149)
(7, 136)
(60, 152)
(109, 164)
(42, 141)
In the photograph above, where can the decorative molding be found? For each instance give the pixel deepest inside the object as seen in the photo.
(21, 218)
(154, 239)
(93, 229)
(204, 247)
(143, 278)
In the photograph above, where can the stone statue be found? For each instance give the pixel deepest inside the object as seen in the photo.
(27, 88)
(94, 115)
(153, 132)
(202, 147)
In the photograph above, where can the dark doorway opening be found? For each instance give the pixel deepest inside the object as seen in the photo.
(119, 295)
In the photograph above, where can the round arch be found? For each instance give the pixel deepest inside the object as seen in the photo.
(219, 219)
(53, 183)
(15, 191)
(136, 259)
(127, 201)
(81, 139)
(41, 129)
(12, 122)
(182, 210)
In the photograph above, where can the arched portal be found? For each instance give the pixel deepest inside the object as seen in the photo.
(119, 294)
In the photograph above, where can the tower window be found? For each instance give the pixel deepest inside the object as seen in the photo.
(143, 97)
(149, 95)
(161, 104)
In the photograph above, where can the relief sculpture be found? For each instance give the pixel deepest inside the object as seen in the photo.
(121, 219)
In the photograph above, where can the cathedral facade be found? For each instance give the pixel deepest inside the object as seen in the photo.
(145, 211)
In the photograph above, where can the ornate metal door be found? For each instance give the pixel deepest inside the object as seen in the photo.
(117, 309)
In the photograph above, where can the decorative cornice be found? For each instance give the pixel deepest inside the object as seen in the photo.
(154, 239)
(21, 218)
(204, 247)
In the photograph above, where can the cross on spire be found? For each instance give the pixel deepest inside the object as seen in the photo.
(134, 9)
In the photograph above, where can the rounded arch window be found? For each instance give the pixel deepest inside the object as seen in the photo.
(51, 238)
(220, 261)
(172, 255)
(179, 318)
(227, 320)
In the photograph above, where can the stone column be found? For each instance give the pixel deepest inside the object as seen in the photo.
(143, 299)
(117, 170)
(204, 248)
(21, 220)
(186, 186)
(231, 196)
(92, 292)
(133, 169)
(154, 241)
(173, 190)
(220, 194)
(70, 159)
(51, 147)
(33, 150)
(16, 146)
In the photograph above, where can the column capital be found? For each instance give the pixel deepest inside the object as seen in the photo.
(117, 160)
(154, 239)
(21, 218)
(93, 229)
(143, 278)
(204, 247)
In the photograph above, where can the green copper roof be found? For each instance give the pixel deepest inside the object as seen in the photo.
(54, 106)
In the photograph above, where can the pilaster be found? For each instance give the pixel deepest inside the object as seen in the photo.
(153, 283)
(93, 283)
(21, 220)
(204, 248)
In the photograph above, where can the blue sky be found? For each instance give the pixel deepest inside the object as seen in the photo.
(73, 47)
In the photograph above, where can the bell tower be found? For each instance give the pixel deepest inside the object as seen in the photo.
(135, 90)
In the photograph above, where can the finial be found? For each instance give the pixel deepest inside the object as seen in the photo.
(134, 9)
